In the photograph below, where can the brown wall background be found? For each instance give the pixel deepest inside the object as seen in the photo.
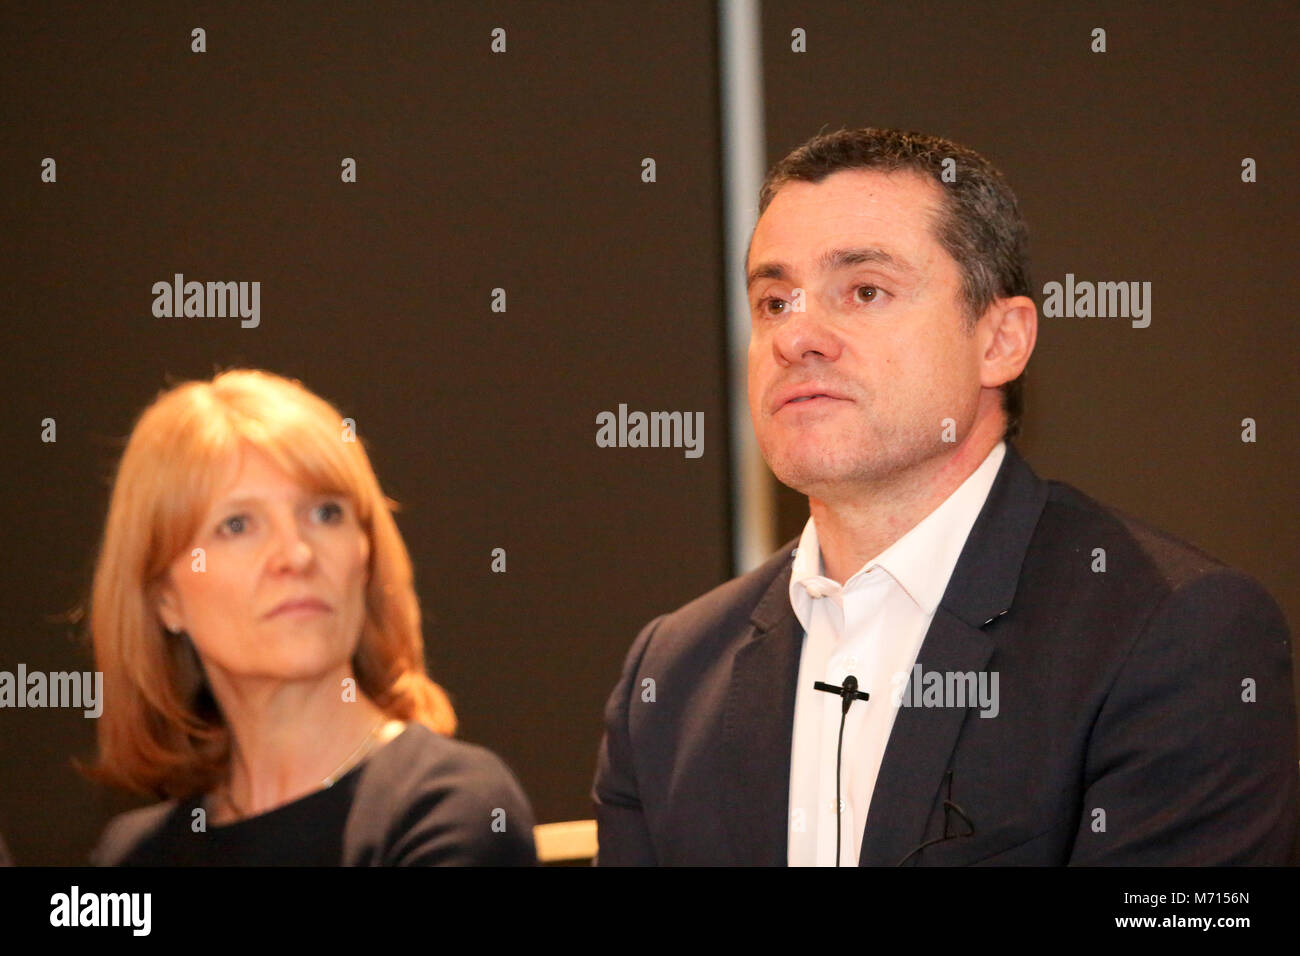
(522, 171)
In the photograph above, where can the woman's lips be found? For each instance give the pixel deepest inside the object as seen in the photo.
(300, 606)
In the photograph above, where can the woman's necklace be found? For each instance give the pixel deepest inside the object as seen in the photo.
(351, 760)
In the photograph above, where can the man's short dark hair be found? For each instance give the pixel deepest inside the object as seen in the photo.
(979, 223)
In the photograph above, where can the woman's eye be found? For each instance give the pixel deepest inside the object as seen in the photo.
(330, 512)
(235, 524)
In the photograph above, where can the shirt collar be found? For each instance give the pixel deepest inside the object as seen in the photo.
(921, 561)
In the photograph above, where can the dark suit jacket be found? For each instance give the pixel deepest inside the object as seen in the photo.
(1127, 732)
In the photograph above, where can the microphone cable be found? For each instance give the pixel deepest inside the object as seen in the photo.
(848, 693)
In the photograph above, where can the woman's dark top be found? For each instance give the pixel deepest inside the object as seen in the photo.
(419, 800)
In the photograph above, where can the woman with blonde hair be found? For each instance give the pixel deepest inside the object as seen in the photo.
(254, 616)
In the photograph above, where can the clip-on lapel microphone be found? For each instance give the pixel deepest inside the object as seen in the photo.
(849, 692)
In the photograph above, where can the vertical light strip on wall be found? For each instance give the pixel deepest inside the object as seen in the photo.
(753, 508)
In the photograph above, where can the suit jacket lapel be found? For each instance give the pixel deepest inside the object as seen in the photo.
(757, 726)
(982, 587)
(920, 744)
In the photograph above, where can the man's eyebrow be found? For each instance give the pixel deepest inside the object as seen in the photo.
(837, 259)
(767, 270)
(840, 258)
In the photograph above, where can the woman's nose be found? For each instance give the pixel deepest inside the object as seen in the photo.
(292, 550)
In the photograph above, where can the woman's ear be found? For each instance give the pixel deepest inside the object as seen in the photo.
(168, 606)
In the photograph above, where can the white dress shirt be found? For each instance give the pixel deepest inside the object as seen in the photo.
(871, 627)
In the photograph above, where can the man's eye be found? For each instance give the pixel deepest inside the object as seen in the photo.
(764, 303)
(873, 290)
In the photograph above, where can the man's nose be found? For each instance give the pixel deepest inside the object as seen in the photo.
(807, 335)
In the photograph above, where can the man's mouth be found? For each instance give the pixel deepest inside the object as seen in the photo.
(806, 399)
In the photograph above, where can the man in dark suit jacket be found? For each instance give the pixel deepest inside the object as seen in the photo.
(1146, 712)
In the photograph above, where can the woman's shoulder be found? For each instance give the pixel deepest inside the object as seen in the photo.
(129, 835)
(421, 762)
(441, 800)
(421, 750)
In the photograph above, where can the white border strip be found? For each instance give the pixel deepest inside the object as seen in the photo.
(753, 515)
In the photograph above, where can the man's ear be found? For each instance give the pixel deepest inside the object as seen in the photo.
(1010, 330)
